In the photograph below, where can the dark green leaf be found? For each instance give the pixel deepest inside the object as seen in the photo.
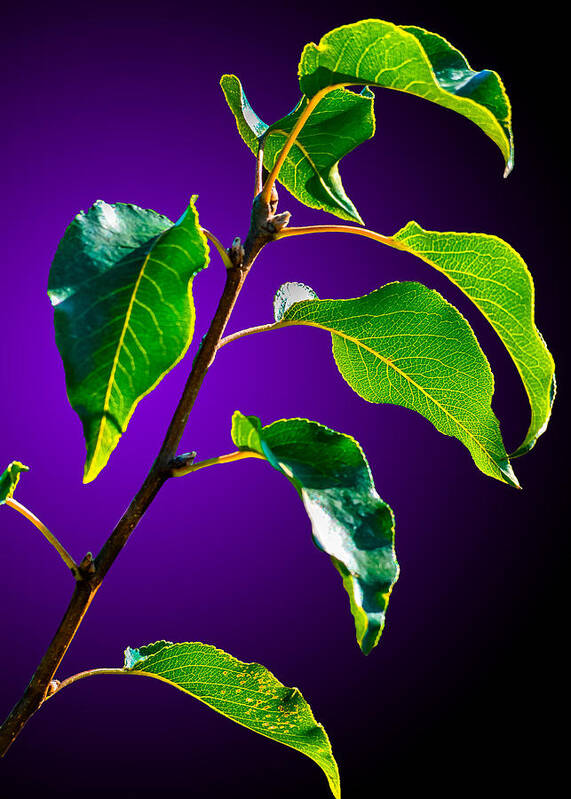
(247, 693)
(405, 345)
(340, 122)
(9, 480)
(350, 521)
(124, 315)
(497, 280)
(409, 59)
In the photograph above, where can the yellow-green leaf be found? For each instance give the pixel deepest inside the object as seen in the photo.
(246, 693)
(340, 122)
(403, 344)
(9, 480)
(410, 59)
(494, 276)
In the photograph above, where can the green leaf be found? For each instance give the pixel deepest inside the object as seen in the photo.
(9, 480)
(350, 521)
(412, 60)
(121, 285)
(247, 693)
(403, 344)
(339, 123)
(495, 277)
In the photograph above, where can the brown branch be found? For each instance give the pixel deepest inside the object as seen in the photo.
(92, 572)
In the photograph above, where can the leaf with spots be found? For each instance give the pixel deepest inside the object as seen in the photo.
(246, 693)
(120, 284)
(9, 480)
(494, 276)
(350, 522)
(403, 344)
(340, 122)
(412, 60)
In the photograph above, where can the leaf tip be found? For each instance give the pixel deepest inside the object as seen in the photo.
(10, 478)
(508, 474)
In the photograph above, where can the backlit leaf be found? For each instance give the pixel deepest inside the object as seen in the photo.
(403, 344)
(9, 480)
(121, 285)
(497, 280)
(340, 122)
(247, 693)
(350, 522)
(409, 59)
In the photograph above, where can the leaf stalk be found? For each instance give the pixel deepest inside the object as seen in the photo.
(358, 231)
(49, 536)
(219, 246)
(291, 139)
(239, 455)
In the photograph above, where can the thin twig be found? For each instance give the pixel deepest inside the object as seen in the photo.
(259, 169)
(93, 573)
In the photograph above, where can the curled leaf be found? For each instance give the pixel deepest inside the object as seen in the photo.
(350, 522)
(412, 60)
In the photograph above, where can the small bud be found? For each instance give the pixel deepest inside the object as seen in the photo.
(278, 222)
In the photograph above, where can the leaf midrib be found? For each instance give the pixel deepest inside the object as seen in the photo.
(304, 152)
(409, 379)
(320, 748)
(111, 382)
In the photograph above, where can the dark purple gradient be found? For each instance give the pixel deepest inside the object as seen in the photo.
(121, 102)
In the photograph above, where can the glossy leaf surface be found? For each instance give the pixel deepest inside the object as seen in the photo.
(403, 344)
(409, 59)
(121, 284)
(350, 522)
(340, 122)
(9, 480)
(247, 693)
(495, 277)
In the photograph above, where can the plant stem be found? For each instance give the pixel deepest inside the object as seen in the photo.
(82, 675)
(92, 572)
(290, 141)
(249, 331)
(259, 184)
(230, 458)
(31, 517)
(358, 231)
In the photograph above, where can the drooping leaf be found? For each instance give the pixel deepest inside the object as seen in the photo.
(340, 122)
(403, 344)
(9, 480)
(121, 285)
(495, 277)
(350, 521)
(409, 59)
(247, 693)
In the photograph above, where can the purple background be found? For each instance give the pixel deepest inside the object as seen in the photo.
(122, 103)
